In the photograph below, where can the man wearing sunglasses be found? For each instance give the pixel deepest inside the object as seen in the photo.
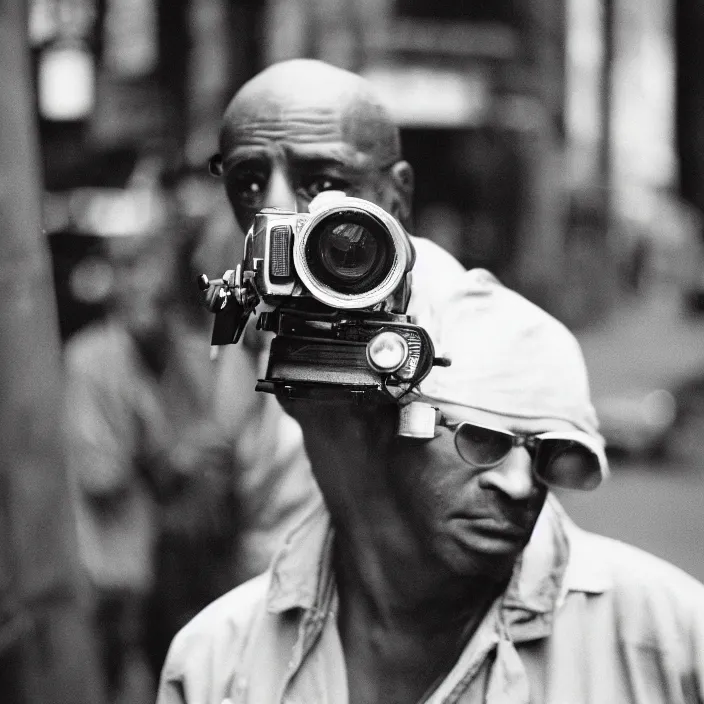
(441, 567)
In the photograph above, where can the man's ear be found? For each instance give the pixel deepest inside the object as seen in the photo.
(403, 181)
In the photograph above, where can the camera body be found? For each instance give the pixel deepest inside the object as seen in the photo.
(347, 253)
(333, 285)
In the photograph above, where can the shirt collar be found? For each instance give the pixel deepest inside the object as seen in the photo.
(303, 563)
(556, 561)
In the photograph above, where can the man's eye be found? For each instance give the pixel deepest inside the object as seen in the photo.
(317, 184)
(249, 187)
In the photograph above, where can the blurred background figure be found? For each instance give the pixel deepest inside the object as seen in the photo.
(153, 469)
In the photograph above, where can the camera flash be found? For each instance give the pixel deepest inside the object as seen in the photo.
(387, 352)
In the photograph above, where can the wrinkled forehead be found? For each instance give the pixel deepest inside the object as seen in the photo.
(296, 112)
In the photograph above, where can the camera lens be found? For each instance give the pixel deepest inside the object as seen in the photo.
(350, 252)
(347, 251)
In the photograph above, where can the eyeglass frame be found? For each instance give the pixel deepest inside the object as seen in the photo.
(530, 441)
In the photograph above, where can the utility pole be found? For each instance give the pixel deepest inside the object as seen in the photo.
(46, 649)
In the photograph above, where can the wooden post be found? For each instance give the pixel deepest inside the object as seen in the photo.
(46, 649)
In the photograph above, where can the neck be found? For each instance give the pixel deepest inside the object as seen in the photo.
(384, 569)
(403, 618)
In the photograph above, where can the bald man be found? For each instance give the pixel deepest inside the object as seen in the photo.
(297, 129)
(302, 127)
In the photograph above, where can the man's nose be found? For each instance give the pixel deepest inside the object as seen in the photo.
(281, 193)
(513, 477)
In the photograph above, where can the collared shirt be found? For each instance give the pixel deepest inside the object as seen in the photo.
(585, 620)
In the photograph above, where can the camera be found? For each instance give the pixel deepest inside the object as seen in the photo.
(347, 254)
(334, 286)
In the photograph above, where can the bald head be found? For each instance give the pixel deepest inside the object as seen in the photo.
(301, 127)
(298, 87)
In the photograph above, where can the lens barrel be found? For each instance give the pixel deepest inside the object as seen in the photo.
(352, 254)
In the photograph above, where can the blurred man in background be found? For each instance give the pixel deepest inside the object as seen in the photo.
(152, 468)
(297, 129)
(441, 568)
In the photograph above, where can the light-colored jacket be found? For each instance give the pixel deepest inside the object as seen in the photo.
(585, 620)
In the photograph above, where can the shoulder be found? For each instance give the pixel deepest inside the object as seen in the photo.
(629, 565)
(652, 599)
(434, 262)
(434, 276)
(203, 655)
(222, 625)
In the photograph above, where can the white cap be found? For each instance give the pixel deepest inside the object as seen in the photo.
(511, 361)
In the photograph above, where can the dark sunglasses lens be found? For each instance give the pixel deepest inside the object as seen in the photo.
(567, 465)
(481, 446)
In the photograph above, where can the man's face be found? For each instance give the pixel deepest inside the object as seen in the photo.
(476, 521)
(282, 150)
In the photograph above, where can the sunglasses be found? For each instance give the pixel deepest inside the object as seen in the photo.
(566, 460)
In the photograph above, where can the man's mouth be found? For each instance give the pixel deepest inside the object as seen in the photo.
(489, 526)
